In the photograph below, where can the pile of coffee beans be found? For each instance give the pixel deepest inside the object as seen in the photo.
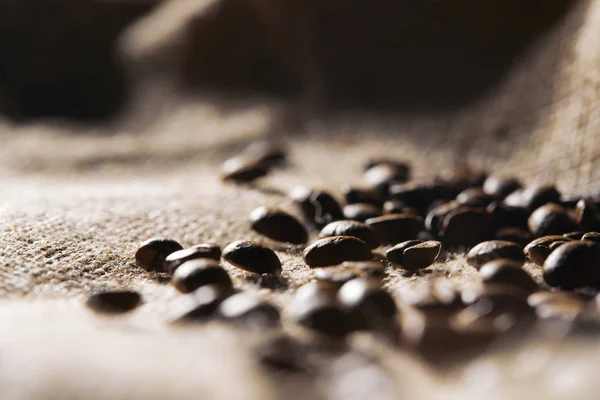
(394, 225)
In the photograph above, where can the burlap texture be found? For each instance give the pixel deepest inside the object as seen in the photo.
(75, 201)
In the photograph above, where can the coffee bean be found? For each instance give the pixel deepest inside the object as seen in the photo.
(561, 310)
(381, 176)
(267, 153)
(508, 216)
(252, 257)
(434, 298)
(241, 169)
(507, 271)
(114, 301)
(500, 187)
(533, 197)
(516, 235)
(577, 235)
(351, 228)
(197, 306)
(283, 353)
(395, 228)
(152, 253)
(278, 225)
(555, 245)
(401, 167)
(462, 177)
(544, 296)
(417, 194)
(361, 211)
(368, 304)
(199, 272)
(393, 207)
(354, 195)
(317, 206)
(495, 249)
(335, 250)
(372, 269)
(551, 219)
(466, 227)
(335, 277)
(435, 216)
(591, 236)
(587, 215)
(249, 308)
(474, 196)
(206, 251)
(396, 253)
(421, 255)
(539, 249)
(496, 299)
(573, 265)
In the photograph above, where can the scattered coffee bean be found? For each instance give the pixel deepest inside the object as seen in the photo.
(500, 187)
(199, 272)
(210, 250)
(573, 265)
(395, 228)
(421, 255)
(393, 207)
(372, 269)
(539, 249)
(351, 228)
(462, 177)
(114, 301)
(533, 197)
(466, 227)
(551, 219)
(335, 250)
(361, 211)
(252, 257)
(417, 194)
(587, 216)
(495, 249)
(152, 253)
(206, 251)
(555, 245)
(434, 298)
(317, 206)
(496, 299)
(507, 271)
(268, 153)
(367, 303)
(435, 217)
(335, 277)
(380, 176)
(241, 169)
(508, 216)
(516, 235)
(396, 253)
(198, 305)
(354, 195)
(249, 308)
(278, 225)
(577, 235)
(401, 167)
(591, 236)
(475, 197)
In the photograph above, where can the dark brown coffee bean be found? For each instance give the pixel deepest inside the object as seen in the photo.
(317, 206)
(393, 207)
(152, 253)
(283, 353)
(396, 253)
(577, 235)
(509, 272)
(473, 293)
(368, 304)
(573, 265)
(533, 197)
(198, 305)
(434, 298)
(268, 153)
(517, 235)
(252, 257)
(474, 196)
(555, 245)
(401, 167)
(539, 249)
(366, 268)
(462, 177)
(508, 216)
(199, 272)
(500, 187)
(361, 211)
(351, 228)
(249, 308)
(241, 169)
(335, 250)
(545, 296)
(278, 225)
(354, 195)
(417, 194)
(435, 216)
(421, 255)
(335, 277)
(395, 228)
(466, 227)
(495, 249)
(114, 301)
(587, 216)
(381, 176)
(206, 251)
(551, 219)
(591, 236)
(497, 299)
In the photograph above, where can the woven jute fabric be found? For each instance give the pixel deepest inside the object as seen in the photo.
(75, 201)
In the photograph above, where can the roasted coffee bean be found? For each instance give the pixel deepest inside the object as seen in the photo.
(395, 228)
(577, 235)
(152, 253)
(555, 245)
(435, 216)
(418, 194)
(573, 265)
(533, 197)
(539, 249)
(317, 206)
(199, 272)
(434, 298)
(249, 308)
(393, 207)
(335, 250)
(366, 268)
(268, 153)
(517, 235)
(495, 249)
(396, 253)
(367, 303)
(587, 216)
(462, 177)
(206, 251)
(361, 211)
(401, 167)
(278, 225)
(283, 353)
(351, 228)
(507, 271)
(353, 195)
(335, 277)
(508, 216)
(414, 255)
(475, 197)
(500, 187)
(252, 257)
(241, 169)
(591, 236)
(318, 309)
(551, 219)
(496, 299)
(198, 305)
(466, 227)
(114, 301)
(545, 296)
(381, 176)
